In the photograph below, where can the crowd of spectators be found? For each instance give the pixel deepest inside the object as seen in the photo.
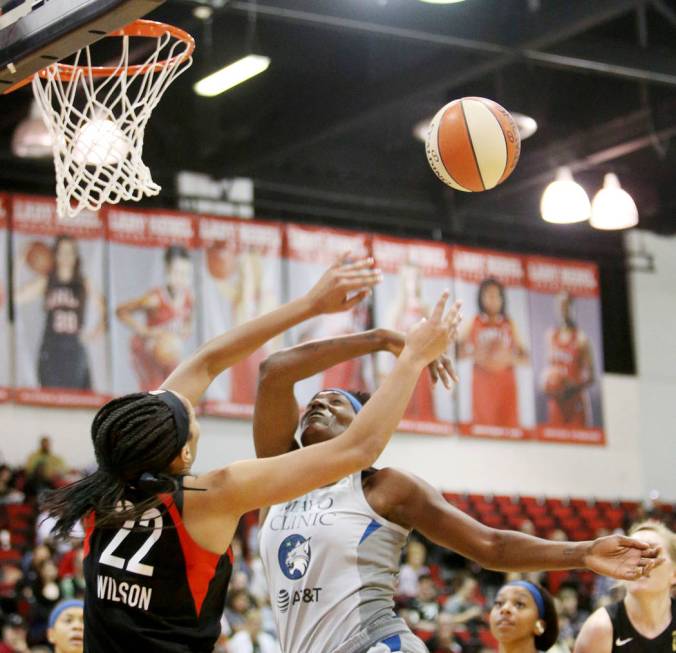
(443, 597)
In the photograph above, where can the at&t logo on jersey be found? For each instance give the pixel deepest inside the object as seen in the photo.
(294, 556)
(289, 599)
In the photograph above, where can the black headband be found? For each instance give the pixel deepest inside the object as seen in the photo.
(178, 412)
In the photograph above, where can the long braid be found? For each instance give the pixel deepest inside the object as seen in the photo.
(131, 435)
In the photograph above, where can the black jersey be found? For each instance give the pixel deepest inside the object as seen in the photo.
(150, 587)
(64, 306)
(626, 639)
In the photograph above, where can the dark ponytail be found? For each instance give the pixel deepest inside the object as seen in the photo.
(135, 439)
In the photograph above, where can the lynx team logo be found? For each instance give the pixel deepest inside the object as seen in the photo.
(294, 556)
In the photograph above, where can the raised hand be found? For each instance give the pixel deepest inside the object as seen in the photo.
(430, 338)
(622, 557)
(343, 285)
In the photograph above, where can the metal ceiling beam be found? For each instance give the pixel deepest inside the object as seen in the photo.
(534, 34)
(627, 62)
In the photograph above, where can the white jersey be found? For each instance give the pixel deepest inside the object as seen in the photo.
(331, 563)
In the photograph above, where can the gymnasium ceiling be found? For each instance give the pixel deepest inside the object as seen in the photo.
(326, 131)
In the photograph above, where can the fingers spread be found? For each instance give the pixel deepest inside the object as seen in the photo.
(438, 311)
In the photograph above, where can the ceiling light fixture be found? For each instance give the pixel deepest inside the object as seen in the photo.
(441, 2)
(564, 200)
(232, 75)
(613, 207)
(31, 139)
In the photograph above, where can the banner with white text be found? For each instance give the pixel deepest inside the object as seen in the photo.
(241, 271)
(59, 305)
(415, 274)
(494, 362)
(309, 253)
(5, 343)
(152, 294)
(565, 316)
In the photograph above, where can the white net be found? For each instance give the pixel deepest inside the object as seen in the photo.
(97, 123)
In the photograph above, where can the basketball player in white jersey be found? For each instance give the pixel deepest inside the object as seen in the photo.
(332, 556)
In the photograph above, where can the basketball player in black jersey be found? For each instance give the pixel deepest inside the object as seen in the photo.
(157, 559)
(62, 361)
(645, 621)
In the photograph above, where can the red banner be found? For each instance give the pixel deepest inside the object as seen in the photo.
(60, 337)
(415, 274)
(5, 344)
(495, 390)
(565, 313)
(309, 252)
(241, 271)
(152, 299)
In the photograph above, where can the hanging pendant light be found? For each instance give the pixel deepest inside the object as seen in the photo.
(613, 207)
(564, 200)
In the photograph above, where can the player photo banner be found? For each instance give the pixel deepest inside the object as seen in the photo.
(241, 270)
(152, 294)
(494, 362)
(415, 274)
(5, 344)
(59, 306)
(565, 316)
(309, 252)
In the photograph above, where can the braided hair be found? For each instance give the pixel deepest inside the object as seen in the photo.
(135, 439)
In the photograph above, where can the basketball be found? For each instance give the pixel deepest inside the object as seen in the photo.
(168, 349)
(473, 144)
(39, 258)
(554, 381)
(220, 261)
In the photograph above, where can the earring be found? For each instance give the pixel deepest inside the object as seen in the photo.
(539, 628)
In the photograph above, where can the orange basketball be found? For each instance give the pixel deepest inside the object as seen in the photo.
(554, 381)
(473, 144)
(220, 261)
(167, 349)
(39, 257)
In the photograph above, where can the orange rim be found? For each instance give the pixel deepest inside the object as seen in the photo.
(143, 28)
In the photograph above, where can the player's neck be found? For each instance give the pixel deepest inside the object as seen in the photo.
(649, 613)
(522, 646)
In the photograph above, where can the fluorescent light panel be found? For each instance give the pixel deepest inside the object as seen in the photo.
(231, 75)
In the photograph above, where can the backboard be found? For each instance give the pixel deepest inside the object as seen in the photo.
(36, 33)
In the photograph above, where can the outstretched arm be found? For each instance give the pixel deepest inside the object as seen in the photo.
(251, 484)
(331, 293)
(413, 503)
(276, 414)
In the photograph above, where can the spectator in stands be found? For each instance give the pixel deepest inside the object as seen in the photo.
(461, 606)
(412, 569)
(426, 605)
(646, 619)
(251, 638)
(13, 635)
(523, 618)
(72, 579)
(66, 627)
(237, 606)
(43, 467)
(45, 593)
(8, 493)
(571, 616)
(444, 640)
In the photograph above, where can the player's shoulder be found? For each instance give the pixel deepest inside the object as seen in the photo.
(596, 635)
(392, 485)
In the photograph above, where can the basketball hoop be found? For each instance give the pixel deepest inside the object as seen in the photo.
(97, 117)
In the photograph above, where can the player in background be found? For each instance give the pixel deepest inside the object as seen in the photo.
(492, 341)
(645, 621)
(570, 370)
(167, 320)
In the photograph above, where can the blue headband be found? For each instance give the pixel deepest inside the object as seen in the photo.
(534, 592)
(354, 402)
(60, 607)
